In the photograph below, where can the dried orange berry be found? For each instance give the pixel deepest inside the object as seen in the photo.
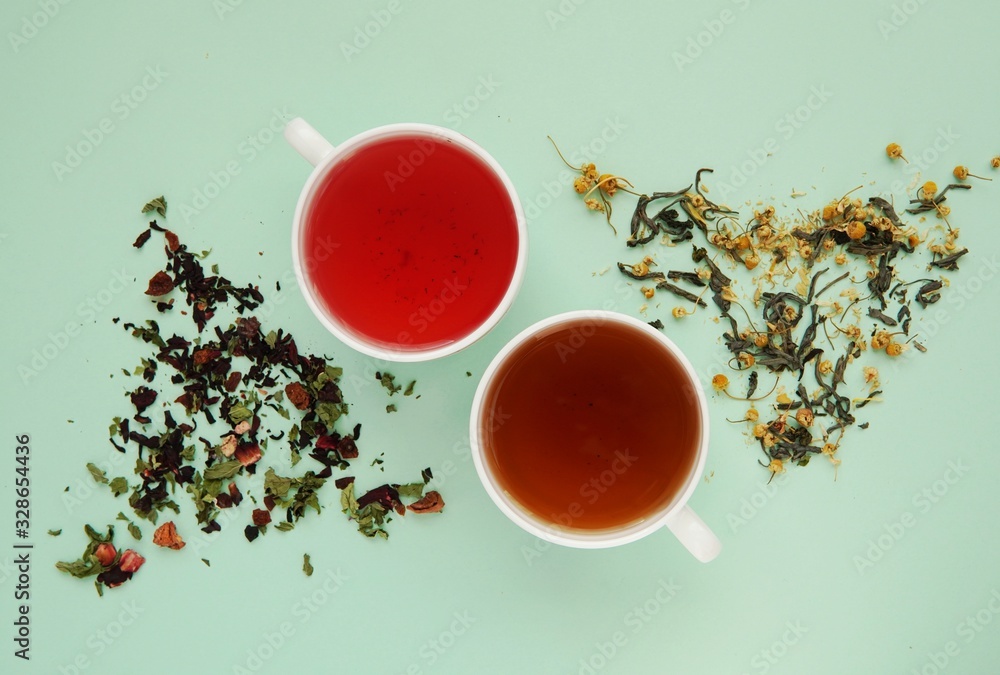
(895, 152)
(678, 312)
(804, 416)
(856, 229)
(752, 415)
(647, 292)
(928, 190)
(829, 212)
(962, 172)
(995, 162)
(881, 340)
(894, 349)
(760, 339)
(720, 382)
(751, 261)
(608, 183)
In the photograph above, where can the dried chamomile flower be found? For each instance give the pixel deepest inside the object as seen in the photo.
(894, 151)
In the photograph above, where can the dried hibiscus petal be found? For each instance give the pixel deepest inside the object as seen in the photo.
(142, 398)
(173, 243)
(160, 284)
(261, 517)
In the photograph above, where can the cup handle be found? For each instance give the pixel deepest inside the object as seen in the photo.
(694, 534)
(309, 143)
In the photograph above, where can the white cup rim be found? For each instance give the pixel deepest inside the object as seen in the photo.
(339, 330)
(578, 538)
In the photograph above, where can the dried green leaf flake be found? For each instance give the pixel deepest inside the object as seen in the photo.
(159, 205)
(97, 474)
(119, 486)
(223, 470)
(306, 565)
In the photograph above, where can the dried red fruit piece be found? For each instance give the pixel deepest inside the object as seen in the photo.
(130, 561)
(203, 356)
(160, 284)
(261, 517)
(297, 394)
(167, 537)
(347, 448)
(248, 453)
(105, 554)
(173, 243)
(432, 502)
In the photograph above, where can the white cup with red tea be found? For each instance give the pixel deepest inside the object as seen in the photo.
(590, 429)
(408, 241)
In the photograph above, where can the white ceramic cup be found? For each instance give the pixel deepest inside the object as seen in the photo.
(324, 157)
(675, 515)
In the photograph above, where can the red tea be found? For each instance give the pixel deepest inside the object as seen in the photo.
(419, 242)
(591, 426)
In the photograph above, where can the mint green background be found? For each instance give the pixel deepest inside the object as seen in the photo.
(791, 561)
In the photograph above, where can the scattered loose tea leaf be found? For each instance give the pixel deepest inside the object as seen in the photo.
(159, 205)
(306, 565)
(97, 474)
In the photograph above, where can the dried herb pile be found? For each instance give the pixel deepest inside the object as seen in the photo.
(231, 379)
(801, 298)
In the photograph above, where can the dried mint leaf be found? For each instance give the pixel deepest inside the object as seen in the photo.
(159, 205)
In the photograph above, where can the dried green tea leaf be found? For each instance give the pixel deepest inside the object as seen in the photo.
(388, 381)
(55, 533)
(97, 474)
(239, 413)
(159, 205)
(347, 501)
(276, 485)
(306, 565)
(391, 408)
(329, 412)
(119, 486)
(223, 470)
(284, 526)
(82, 568)
(411, 490)
(134, 530)
(206, 561)
(409, 388)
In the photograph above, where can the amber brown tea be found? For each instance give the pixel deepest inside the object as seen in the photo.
(591, 425)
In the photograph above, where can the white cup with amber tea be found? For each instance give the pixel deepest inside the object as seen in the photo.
(590, 429)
